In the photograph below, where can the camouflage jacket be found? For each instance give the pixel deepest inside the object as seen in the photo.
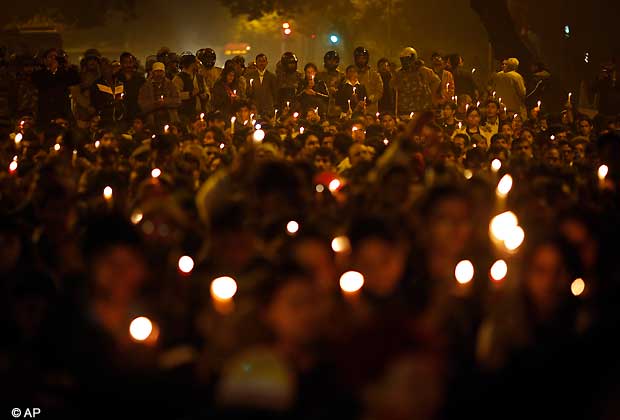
(414, 89)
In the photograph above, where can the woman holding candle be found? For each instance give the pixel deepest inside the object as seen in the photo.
(225, 92)
(312, 93)
(352, 95)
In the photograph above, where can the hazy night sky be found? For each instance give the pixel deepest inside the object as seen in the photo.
(193, 24)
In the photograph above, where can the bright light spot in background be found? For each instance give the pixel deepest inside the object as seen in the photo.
(578, 286)
(97, 143)
(499, 269)
(603, 170)
(496, 164)
(258, 135)
(464, 272)
(351, 281)
(468, 174)
(333, 39)
(504, 186)
(286, 25)
(287, 31)
(334, 185)
(341, 244)
(502, 225)
(186, 264)
(514, 239)
(18, 138)
(292, 227)
(223, 288)
(320, 188)
(155, 173)
(57, 147)
(13, 166)
(141, 328)
(136, 217)
(107, 192)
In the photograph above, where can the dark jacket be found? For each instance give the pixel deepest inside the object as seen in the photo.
(320, 100)
(264, 94)
(345, 94)
(54, 92)
(222, 99)
(132, 89)
(106, 98)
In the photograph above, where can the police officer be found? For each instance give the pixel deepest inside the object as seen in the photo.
(207, 68)
(288, 80)
(333, 78)
(368, 77)
(414, 84)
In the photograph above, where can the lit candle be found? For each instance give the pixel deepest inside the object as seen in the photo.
(202, 116)
(473, 71)
(232, 125)
(288, 104)
(494, 93)
(411, 115)
(505, 110)
(166, 128)
(301, 130)
(18, 138)
(223, 289)
(235, 92)
(161, 97)
(251, 82)
(349, 101)
(478, 104)
(377, 115)
(539, 103)
(569, 95)
(13, 167)
(275, 116)
(351, 283)
(107, 195)
(466, 107)
(316, 110)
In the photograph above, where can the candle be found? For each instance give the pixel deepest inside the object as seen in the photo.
(473, 71)
(349, 101)
(251, 82)
(235, 92)
(351, 283)
(202, 116)
(411, 115)
(223, 289)
(377, 115)
(569, 95)
(301, 130)
(316, 110)
(275, 116)
(466, 107)
(505, 110)
(232, 125)
(13, 167)
(18, 138)
(288, 104)
(500, 100)
(460, 125)
(478, 104)
(107, 196)
(539, 103)
(354, 89)
(161, 97)
(494, 93)
(166, 128)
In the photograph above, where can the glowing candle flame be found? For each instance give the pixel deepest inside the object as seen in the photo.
(499, 270)
(57, 147)
(496, 164)
(603, 170)
(13, 166)
(464, 272)
(223, 288)
(334, 185)
(155, 173)
(97, 144)
(504, 186)
(341, 244)
(107, 193)
(258, 136)
(514, 238)
(577, 287)
(140, 328)
(186, 264)
(292, 227)
(295, 114)
(18, 138)
(351, 281)
(502, 225)
(136, 217)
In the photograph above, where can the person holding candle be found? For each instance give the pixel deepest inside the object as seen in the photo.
(369, 78)
(132, 82)
(288, 81)
(159, 99)
(192, 88)
(262, 87)
(446, 88)
(351, 94)
(333, 78)
(312, 93)
(224, 93)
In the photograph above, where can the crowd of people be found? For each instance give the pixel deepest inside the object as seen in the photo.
(186, 241)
